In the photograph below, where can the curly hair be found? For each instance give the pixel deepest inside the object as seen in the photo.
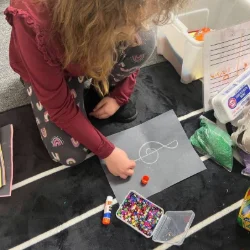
(91, 30)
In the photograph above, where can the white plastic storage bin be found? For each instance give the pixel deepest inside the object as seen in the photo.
(183, 51)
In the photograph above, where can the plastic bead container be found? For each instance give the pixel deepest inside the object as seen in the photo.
(149, 219)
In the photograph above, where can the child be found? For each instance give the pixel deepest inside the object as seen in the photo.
(56, 42)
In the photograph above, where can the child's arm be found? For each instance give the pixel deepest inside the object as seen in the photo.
(52, 91)
(124, 89)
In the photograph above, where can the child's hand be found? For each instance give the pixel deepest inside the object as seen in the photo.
(105, 108)
(119, 164)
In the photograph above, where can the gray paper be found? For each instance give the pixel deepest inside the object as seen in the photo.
(6, 140)
(161, 150)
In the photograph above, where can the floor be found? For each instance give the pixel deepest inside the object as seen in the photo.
(57, 207)
(12, 94)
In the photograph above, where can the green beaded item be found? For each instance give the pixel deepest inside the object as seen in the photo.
(210, 139)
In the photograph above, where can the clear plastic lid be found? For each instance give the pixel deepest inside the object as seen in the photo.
(173, 227)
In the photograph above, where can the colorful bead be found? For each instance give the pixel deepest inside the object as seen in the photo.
(140, 213)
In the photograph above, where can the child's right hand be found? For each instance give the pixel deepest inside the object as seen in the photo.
(119, 164)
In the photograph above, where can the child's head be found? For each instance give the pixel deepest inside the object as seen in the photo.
(90, 30)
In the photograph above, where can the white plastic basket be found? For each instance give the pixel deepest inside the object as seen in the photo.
(181, 49)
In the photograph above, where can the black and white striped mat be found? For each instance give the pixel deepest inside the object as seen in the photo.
(56, 207)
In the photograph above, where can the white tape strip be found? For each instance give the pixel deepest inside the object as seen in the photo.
(204, 223)
(194, 113)
(60, 228)
(42, 175)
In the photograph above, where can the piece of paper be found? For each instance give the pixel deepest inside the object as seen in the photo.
(6, 141)
(161, 150)
(226, 55)
(3, 173)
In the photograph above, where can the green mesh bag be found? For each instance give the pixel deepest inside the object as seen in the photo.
(211, 140)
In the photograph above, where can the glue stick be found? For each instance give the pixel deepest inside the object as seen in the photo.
(107, 211)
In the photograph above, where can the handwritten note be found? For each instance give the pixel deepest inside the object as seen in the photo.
(226, 55)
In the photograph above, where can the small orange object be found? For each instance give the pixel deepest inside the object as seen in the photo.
(145, 179)
(199, 35)
(105, 221)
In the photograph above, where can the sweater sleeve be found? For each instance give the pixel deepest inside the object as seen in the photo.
(124, 89)
(52, 91)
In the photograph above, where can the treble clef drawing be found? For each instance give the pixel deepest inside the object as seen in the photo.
(152, 148)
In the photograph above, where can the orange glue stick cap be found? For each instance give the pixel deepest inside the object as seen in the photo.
(105, 221)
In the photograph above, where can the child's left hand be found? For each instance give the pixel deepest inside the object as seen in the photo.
(105, 108)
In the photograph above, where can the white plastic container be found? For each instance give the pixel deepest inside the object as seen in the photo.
(172, 226)
(181, 49)
(231, 101)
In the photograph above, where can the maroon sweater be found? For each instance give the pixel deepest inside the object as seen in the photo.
(38, 62)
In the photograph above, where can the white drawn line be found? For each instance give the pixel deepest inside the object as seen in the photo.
(153, 150)
(67, 224)
(60, 168)
(204, 223)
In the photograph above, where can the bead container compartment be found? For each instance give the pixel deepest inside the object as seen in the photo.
(149, 219)
(139, 213)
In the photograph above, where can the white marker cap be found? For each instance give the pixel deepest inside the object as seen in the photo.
(109, 198)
